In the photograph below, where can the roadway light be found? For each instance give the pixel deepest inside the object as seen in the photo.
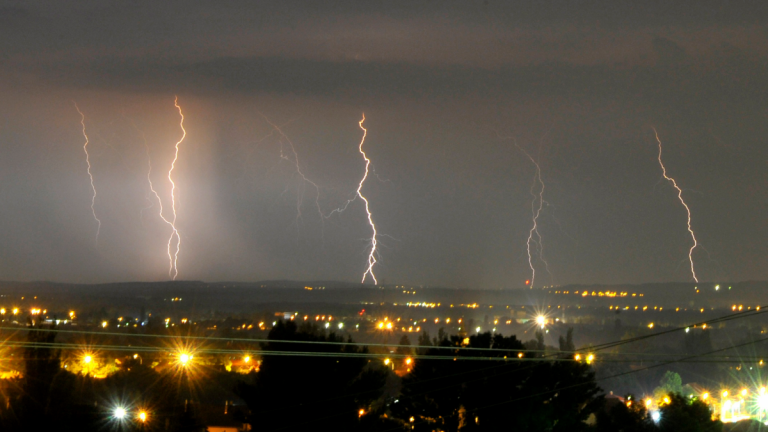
(184, 358)
(87, 359)
(142, 416)
(119, 413)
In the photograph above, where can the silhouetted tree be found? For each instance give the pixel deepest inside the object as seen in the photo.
(687, 415)
(323, 392)
(623, 418)
(566, 344)
(474, 394)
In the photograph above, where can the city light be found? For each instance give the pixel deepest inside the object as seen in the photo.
(87, 359)
(541, 320)
(655, 416)
(590, 358)
(387, 361)
(408, 361)
(142, 416)
(120, 413)
(247, 359)
(762, 400)
(184, 359)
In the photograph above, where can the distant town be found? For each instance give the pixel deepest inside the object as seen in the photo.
(643, 343)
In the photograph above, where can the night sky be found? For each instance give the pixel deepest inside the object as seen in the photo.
(447, 89)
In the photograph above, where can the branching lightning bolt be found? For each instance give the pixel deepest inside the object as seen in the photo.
(535, 212)
(174, 258)
(372, 254)
(687, 209)
(90, 175)
(295, 161)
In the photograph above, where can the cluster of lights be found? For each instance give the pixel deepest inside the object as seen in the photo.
(122, 414)
(589, 358)
(422, 304)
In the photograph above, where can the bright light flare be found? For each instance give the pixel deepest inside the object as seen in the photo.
(143, 416)
(119, 413)
(90, 175)
(687, 209)
(762, 402)
(184, 358)
(541, 320)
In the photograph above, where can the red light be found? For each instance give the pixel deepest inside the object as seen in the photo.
(527, 282)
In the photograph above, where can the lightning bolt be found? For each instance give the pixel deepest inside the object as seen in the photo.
(372, 254)
(305, 179)
(173, 258)
(90, 175)
(687, 209)
(535, 212)
(160, 202)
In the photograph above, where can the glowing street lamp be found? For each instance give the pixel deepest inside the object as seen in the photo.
(120, 413)
(184, 358)
(87, 359)
(541, 320)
